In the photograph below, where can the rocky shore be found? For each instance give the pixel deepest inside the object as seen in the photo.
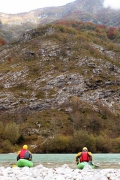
(40, 172)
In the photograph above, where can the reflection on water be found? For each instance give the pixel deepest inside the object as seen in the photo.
(111, 161)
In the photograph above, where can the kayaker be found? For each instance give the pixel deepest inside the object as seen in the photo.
(24, 154)
(84, 156)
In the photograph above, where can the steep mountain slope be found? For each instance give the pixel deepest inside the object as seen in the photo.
(43, 49)
(54, 75)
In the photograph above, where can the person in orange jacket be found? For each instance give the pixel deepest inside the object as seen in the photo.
(24, 154)
(84, 156)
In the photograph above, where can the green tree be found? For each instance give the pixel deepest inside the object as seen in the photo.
(1, 129)
(61, 143)
(83, 138)
(116, 145)
(11, 132)
(103, 143)
(6, 146)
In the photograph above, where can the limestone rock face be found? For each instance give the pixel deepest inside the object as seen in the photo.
(45, 72)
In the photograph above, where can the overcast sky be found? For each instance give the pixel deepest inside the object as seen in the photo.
(18, 6)
(112, 3)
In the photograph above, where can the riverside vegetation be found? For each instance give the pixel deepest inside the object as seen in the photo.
(60, 89)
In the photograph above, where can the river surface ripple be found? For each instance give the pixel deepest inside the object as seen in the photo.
(104, 161)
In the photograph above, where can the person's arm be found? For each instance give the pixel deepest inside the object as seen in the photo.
(18, 156)
(30, 156)
(77, 157)
(90, 156)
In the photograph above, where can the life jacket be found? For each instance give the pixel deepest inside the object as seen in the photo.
(22, 153)
(84, 157)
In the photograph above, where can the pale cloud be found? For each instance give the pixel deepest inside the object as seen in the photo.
(112, 3)
(17, 6)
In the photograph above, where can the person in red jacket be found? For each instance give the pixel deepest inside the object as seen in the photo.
(24, 154)
(84, 156)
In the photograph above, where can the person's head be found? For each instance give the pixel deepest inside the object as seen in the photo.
(25, 147)
(84, 149)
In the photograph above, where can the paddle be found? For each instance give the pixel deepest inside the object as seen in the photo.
(96, 165)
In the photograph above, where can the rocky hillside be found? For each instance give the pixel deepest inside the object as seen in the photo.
(47, 59)
(13, 25)
(53, 66)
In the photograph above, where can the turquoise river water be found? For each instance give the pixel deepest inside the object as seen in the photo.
(57, 160)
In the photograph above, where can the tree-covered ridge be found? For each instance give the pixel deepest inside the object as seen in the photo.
(60, 86)
(111, 33)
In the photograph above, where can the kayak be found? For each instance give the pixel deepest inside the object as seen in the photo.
(83, 164)
(24, 162)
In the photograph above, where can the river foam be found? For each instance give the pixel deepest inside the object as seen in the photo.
(40, 172)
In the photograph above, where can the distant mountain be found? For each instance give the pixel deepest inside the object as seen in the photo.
(13, 25)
